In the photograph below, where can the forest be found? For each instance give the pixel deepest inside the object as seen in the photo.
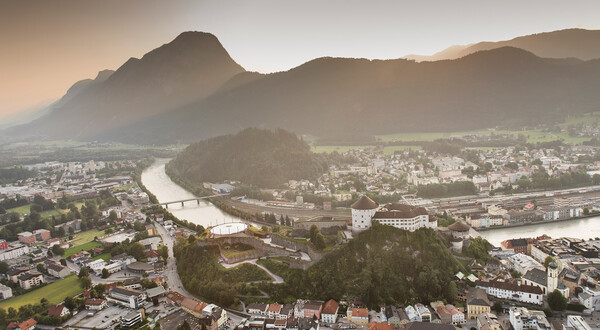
(383, 265)
(263, 158)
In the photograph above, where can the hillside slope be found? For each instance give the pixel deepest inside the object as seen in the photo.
(577, 43)
(191, 67)
(260, 157)
(339, 96)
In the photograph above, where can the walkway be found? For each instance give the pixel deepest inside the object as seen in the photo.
(276, 279)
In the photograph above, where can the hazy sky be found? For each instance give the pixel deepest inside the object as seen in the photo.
(47, 45)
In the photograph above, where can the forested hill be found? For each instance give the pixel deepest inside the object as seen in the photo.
(383, 265)
(263, 158)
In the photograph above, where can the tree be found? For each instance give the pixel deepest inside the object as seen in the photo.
(105, 273)
(83, 272)
(60, 231)
(40, 268)
(557, 301)
(319, 241)
(85, 282)
(451, 292)
(112, 215)
(547, 261)
(137, 251)
(57, 250)
(3, 267)
(184, 326)
(164, 252)
(191, 239)
(70, 303)
(497, 307)
(63, 262)
(314, 230)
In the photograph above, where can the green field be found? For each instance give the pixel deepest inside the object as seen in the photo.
(25, 209)
(84, 247)
(86, 236)
(103, 256)
(54, 292)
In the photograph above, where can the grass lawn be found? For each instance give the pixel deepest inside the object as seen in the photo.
(84, 247)
(54, 292)
(103, 256)
(25, 209)
(86, 236)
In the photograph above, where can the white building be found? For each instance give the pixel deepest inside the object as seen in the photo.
(5, 292)
(505, 290)
(522, 263)
(590, 298)
(546, 280)
(522, 318)
(576, 322)
(14, 252)
(365, 211)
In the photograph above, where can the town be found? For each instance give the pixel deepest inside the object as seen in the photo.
(84, 247)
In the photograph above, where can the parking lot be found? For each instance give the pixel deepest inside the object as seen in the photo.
(105, 318)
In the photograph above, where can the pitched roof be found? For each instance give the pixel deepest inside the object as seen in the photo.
(478, 297)
(459, 226)
(359, 312)
(380, 326)
(536, 275)
(56, 310)
(364, 203)
(94, 302)
(274, 308)
(331, 307)
(510, 286)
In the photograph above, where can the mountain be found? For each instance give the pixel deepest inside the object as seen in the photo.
(577, 43)
(191, 89)
(192, 66)
(337, 96)
(253, 156)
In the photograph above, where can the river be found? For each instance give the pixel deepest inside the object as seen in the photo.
(158, 182)
(206, 214)
(579, 228)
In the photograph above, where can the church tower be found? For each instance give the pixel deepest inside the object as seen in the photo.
(552, 282)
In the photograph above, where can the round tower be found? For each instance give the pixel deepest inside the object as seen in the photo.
(552, 282)
(363, 211)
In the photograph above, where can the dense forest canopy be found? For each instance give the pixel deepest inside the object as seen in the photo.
(254, 156)
(383, 265)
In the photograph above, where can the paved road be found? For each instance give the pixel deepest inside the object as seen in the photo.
(276, 279)
(170, 274)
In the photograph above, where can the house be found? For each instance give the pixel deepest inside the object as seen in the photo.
(286, 312)
(477, 303)
(123, 258)
(313, 308)
(151, 230)
(58, 270)
(380, 326)
(522, 318)
(358, 316)
(30, 279)
(427, 326)
(488, 321)
(329, 312)
(273, 310)
(412, 314)
(458, 317)
(95, 304)
(25, 325)
(152, 255)
(26, 237)
(193, 307)
(423, 312)
(133, 283)
(258, 309)
(58, 310)
(5, 292)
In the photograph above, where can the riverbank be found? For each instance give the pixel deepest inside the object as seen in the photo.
(524, 224)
